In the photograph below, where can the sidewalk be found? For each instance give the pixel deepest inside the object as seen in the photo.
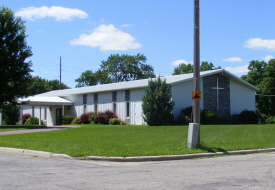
(49, 128)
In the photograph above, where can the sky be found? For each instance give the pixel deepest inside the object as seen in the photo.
(85, 32)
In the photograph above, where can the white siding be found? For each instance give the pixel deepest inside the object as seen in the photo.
(105, 102)
(241, 97)
(135, 105)
(182, 95)
(28, 109)
(50, 117)
(77, 109)
(121, 105)
(90, 103)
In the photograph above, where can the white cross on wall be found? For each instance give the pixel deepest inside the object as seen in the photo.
(217, 88)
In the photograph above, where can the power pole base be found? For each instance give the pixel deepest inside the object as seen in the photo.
(193, 135)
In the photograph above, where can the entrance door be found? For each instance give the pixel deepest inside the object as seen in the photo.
(58, 116)
(138, 113)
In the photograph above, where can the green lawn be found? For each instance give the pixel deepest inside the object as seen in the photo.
(19, 127)
(125, 140)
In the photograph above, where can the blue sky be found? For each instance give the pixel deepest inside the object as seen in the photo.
(85, 32)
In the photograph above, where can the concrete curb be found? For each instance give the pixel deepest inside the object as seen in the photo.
(43, 154)
(37, 153)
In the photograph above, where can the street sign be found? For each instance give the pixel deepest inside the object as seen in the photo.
(196, 95)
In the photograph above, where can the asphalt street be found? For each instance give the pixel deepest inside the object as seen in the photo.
(254, 171)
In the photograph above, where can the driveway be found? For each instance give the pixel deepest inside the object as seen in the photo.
(48, 128)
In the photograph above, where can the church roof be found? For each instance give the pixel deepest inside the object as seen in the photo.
(142, 84)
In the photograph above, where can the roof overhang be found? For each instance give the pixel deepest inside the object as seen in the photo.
(44, 101)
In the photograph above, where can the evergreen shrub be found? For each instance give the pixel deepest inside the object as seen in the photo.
(85, 118)
(187, 111)
(249, 117)
(114, 121)
(207, 117)
(67, 119)
(156, 103)
(76, 120)
(182, 120)
(92, 117)
(235, 119)
(33, 121)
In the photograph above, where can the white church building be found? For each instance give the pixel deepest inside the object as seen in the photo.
(221, 92)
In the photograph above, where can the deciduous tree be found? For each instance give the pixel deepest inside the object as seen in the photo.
(38, 85)
(262, 75)
(14, 69)
(117, 68)
(183, 68)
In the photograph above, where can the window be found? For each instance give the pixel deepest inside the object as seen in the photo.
(127, 109)
(85, 99)
(114, 97)
(84, 108)
(95, 106)
(114, 107)
(95, 98)
(127, 95)
(95, 102)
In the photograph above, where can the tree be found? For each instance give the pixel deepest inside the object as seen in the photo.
(117, 68)
(87, 78)
(183, 68)
(54, 85)
(14, 70)
(262, 75)
(38, 85)
(127, 67)
(156, 103)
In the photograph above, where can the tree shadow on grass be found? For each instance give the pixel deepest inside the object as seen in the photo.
(210, 149)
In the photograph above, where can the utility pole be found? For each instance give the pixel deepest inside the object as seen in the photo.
(60, 75)
(194, 128)
(196, 65)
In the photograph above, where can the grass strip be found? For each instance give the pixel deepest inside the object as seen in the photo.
(131, 140)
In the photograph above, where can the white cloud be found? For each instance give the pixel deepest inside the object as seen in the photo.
(258, 43)
(107, 37)
(176, 63)
(59, 13)
(102, 20)
(233, 59)
(33, 74)
(268, 57)
(126, 25)
(237, 70)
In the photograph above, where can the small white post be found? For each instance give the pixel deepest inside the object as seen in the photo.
(39, 115)
(193, 134)
(0, 116)
(63, 110)
(21, 115)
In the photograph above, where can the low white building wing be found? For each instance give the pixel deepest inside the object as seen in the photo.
(222, 92)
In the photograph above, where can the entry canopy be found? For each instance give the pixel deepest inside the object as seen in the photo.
(44, 101)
